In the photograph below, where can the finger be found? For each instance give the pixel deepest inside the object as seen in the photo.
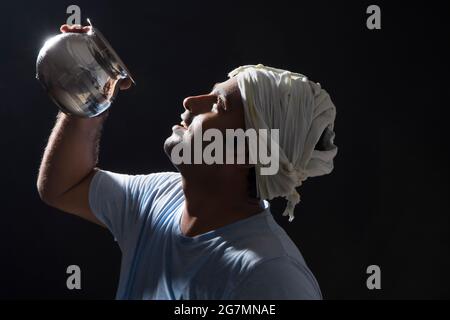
(64, 28)
(74, 28)
(125, 84)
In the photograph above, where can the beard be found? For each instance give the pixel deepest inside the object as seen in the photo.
(174, 139)
(181, 148)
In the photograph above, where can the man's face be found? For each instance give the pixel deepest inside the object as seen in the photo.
(220, 109)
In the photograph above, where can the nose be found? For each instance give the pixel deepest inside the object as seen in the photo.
(199, 104)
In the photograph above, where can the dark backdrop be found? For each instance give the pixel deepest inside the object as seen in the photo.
(386, 203)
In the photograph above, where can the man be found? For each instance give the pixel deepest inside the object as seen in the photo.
(206, 232)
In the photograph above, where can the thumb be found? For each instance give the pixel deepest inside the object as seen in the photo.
(125, 84)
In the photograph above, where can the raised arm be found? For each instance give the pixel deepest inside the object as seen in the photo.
(68, 164)
(69, 160)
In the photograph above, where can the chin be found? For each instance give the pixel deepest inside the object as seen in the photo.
(168, 146)
(170, 142)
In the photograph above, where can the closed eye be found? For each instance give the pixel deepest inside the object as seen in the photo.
(219, 106)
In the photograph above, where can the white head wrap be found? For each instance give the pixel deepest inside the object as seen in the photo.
(303, 112)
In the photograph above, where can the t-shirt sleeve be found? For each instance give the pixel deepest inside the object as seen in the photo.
(120, 200)
(278, 279)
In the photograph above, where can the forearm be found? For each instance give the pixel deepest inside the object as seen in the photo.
(70, 156)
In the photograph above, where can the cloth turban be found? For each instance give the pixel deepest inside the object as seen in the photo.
(303, 113)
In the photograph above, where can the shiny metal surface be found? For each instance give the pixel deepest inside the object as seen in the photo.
(80, 72)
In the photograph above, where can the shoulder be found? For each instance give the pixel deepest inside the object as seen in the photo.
(278, 278)
(263, 240)
(268, 258)
(118, 191)
(162, 179)
(136, 182)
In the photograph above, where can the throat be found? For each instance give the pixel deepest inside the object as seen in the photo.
(194, 223)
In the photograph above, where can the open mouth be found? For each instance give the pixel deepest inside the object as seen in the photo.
(184, 125)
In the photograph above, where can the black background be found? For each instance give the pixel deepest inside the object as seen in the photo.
(386, 203)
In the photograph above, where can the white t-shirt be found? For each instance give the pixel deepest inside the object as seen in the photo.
(252, 258)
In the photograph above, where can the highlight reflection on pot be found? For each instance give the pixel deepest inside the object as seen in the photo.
(80, 72)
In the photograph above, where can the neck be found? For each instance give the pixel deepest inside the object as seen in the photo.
(213, 202)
